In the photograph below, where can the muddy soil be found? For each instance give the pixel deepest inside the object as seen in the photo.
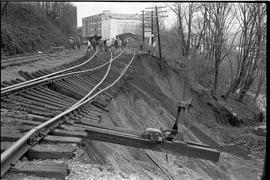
(149, 100)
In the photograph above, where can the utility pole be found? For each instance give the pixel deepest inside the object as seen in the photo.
(152, 27)
(143, 26)
(159, 45)
(157, 12)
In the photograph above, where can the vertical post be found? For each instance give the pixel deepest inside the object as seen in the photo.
(177, 119)
(152, 27)
(159, 45)
(143, 26)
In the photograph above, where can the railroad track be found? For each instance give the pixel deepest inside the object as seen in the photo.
(57, 106)
(40, 77)
(25, 58)
(21, 60)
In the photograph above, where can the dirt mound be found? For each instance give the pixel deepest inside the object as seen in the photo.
(149, 99)
(27, 30)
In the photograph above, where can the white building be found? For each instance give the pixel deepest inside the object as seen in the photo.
(107, 25)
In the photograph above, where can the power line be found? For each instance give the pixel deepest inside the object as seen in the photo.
(204, 42)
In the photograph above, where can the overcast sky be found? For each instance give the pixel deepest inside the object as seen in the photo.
(85, 9)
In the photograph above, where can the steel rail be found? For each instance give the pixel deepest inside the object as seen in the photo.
(18, 59)
(46, 76)
(51, 79)
(163, 170)
(88, 94)
(8, 58)
(13, 153)
(21, 146)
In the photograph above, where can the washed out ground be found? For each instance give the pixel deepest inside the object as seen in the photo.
(149, 99)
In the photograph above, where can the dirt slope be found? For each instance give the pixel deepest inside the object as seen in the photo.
(149, 100)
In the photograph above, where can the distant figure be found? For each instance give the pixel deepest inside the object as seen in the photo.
(108, 44)
(94, 44)
(101, 44)
(124, 44)
(89, 45)
(120, 44)
(78, 43)
(70, 43)
(116, 45)
(73, 43)
(104, 44)
(141, 45)
(154, 46)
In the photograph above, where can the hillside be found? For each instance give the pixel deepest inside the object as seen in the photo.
(25, 29)
(149, 99)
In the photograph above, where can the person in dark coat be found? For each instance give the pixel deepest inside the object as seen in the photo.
(105, 45)
(94, 44)
(78, 43)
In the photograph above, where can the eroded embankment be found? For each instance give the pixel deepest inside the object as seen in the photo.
(149, 99)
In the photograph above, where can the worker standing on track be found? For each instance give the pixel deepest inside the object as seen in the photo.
(89, 45)
(124, 44)
(154, 46)
(70, 41)
(141, 45)
(94, 44)
(120, 44)
(116, 45)
(105, 45)
(78, 43)
(108, 44)
(73, 43)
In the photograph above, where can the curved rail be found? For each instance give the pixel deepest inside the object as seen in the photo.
(13, 153)
(5, 89)
(49, 79)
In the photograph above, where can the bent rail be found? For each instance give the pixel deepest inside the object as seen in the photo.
(10, 88)
(49, 79)
(32, 137)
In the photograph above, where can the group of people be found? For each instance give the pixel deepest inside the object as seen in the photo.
(72, 42)
(119, 44)
(93, 44)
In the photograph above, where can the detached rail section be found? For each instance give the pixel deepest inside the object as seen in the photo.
(56, 112)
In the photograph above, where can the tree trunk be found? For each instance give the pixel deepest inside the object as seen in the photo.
(4, 10)
(260, 83)
(189, 28)
(245, 88)
(183, 41)
(216, 78)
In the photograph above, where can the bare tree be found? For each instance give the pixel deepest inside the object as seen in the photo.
(185, 14)
(218, 22)
(261, 81)
(256, 57)
(252, 24)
